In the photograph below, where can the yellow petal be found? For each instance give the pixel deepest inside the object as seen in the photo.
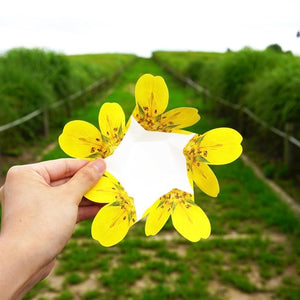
(138, 113)
(151, 95)
(127, 125)
(221, 145)
(81, 139)
(146, 212)
(190, 173)
(191, 221)
(112, 121)
(110, 225)
(158, 215)
(178, 118)
(181, 131)
(205, 179)
(106, 190)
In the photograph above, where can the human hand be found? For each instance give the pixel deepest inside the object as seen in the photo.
(41, 204)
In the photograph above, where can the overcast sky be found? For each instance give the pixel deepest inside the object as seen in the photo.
(140, 27)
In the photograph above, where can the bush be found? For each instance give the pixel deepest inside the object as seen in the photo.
(34, 78)
(275, 95)
(268, 82)
(238, 69)
(31, 79)
(274, 47)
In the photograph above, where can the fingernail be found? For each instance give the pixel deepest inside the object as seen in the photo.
(99, 165)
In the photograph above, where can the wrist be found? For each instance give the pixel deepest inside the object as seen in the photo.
(17, 270)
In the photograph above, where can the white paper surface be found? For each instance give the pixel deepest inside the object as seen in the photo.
(150, 164)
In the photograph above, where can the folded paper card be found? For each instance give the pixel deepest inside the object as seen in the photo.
(151, 164)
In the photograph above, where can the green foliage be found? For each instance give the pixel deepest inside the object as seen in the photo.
(274, 47)
(279, 171)
(269, 170)
(275, 95)
(32, 79)
(239, 69)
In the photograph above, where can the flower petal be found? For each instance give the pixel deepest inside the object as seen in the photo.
(205, 179)
(158, 215)
(191, 221)
(221, 145)
(106, 190)
(112, 122)
(110, 225)
(146, 212)
(81, 139)
(190, 174)
(178, 118)
(151, 95)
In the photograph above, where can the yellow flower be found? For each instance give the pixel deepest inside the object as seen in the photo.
(81, 139)
(113, 221)
(152, 97)
(188, 218)
(215, 147)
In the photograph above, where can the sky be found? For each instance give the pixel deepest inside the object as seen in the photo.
(141, 27)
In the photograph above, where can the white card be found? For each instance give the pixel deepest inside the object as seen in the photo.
(149, 164)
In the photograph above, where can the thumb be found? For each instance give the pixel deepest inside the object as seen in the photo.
(85, 179)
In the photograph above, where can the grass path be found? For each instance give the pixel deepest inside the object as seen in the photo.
(253, 252)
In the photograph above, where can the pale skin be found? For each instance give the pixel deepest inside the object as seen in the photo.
(41, 203)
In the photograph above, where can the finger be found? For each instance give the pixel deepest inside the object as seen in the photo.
(88, 212)
(85, 179)
(60, 181)
(55, 170)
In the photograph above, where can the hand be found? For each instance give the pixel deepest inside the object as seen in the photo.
(41, 204)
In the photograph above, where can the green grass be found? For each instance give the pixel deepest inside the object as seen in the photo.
(65, 295)
(255, 237)
(73, 278)
(104, 63)
(93, 294)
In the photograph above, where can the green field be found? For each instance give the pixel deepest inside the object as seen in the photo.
(253, 252)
